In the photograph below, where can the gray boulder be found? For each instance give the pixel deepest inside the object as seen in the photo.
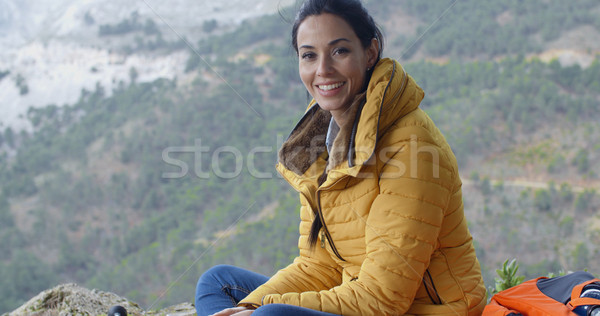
(71, 299)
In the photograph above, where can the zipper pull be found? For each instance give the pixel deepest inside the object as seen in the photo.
(322, 238)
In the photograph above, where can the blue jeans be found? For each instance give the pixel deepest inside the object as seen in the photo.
(223, 286)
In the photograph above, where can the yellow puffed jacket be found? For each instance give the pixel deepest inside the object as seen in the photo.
(395, 240)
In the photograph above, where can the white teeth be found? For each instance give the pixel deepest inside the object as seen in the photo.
(331, 86)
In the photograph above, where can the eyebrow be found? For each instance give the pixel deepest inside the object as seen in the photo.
(335, 41)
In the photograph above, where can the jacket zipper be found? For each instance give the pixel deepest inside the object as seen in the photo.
(319, 211)
(324, 230)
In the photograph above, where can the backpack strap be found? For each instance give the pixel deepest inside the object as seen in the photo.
(576, 300)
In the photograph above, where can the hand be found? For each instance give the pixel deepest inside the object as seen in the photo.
(234, 311)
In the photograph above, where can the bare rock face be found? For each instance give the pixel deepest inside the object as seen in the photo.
(71, 299)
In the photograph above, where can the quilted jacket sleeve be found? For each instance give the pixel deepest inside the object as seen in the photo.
(402, 231)
(312, 270)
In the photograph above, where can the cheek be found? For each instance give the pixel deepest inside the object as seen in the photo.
(358, 78)
(305, 76)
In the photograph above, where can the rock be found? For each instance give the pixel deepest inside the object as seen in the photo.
(71, 299)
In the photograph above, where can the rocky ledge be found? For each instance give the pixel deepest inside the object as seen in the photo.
(71, 299)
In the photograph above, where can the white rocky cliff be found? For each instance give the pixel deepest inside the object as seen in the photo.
(50, 50)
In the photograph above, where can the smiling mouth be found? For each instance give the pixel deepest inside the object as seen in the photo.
(331, 86)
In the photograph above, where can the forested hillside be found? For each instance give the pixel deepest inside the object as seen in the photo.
(139, 191)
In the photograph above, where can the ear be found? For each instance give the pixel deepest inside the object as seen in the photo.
(372, 52)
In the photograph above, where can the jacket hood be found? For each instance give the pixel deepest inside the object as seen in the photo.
(390, 95)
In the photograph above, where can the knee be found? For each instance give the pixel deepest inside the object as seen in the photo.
(215, 273)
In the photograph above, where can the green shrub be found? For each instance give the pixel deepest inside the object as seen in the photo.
(507, 277)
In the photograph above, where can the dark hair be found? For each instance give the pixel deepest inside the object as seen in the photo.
(365, 28)
(352, 11)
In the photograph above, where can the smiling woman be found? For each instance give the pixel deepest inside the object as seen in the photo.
(382, 228)
(333, 64)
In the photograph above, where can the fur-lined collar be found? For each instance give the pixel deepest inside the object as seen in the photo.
(306, 143)
(391, 94)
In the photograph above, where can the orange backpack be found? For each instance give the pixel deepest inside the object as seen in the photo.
(547, 296)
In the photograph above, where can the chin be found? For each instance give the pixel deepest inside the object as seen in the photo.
(329, 107)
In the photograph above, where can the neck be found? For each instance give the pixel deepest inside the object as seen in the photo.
(341, 117)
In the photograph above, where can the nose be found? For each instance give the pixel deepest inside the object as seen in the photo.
(324, 66)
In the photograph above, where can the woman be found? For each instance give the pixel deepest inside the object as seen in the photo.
(382, 226)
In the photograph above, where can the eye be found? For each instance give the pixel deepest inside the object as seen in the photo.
(341, 51)
(307, 55)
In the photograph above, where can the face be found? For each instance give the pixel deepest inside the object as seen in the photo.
(332, 61)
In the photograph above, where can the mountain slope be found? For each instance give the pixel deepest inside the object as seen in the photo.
(139, 186)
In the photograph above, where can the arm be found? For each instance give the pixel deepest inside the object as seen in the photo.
(401, 234)
(310, 271)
